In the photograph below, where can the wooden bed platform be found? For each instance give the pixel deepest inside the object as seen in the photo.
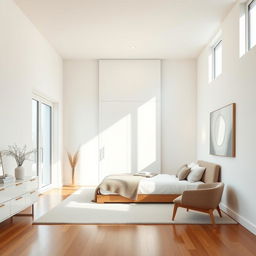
(142, 198)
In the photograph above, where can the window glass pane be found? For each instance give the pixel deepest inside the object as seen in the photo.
(46, 138)
(252, 24)
(218, 59)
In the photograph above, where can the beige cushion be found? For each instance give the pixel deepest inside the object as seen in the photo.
(177, 200)
(212, 172)
(181, 168)
(196, 173)
(183, 173)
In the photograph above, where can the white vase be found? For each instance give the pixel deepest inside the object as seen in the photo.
(19, 173)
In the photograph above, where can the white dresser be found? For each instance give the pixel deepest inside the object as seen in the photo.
(17, 196)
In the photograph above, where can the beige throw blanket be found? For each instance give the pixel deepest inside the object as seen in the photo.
(123, 184)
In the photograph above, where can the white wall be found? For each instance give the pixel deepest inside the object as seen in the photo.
(27, 64)
(178, 113)
(81, 116)
(81, 119)
(236, 84)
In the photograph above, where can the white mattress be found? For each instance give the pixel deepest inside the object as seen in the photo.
(163, 184)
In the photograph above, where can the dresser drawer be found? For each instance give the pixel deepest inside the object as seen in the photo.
(31, 184)
(5, 210)
(18, 189)
(6, 194)
(12, 191)
(18, 204)
(31, 197)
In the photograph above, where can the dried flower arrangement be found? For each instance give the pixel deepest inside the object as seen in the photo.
(20, 154)
(73, 160)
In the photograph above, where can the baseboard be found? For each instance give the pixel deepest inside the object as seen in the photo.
(240, 219)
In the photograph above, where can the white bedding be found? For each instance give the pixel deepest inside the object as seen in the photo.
(163, 184)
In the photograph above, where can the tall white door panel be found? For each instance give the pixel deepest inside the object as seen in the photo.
(116, 133)
(129, 116)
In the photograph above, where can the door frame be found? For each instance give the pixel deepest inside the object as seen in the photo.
(42, 100)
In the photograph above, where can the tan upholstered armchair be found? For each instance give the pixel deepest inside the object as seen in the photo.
(204, 199)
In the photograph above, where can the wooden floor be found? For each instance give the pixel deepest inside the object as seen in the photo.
(20, 238)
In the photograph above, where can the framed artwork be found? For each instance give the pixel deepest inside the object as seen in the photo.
(222, 131)
(1, 166)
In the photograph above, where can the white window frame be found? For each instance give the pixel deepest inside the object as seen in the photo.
(247, 24)
(215, 45)
(44, 100)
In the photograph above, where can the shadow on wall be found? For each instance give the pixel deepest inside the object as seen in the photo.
(231, 198)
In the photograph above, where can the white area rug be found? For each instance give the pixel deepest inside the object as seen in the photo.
(78, 209)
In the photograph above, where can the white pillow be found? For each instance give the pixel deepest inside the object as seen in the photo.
(192, 165)
(196, 173)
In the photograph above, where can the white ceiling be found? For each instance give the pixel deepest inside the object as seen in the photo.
(90, 29)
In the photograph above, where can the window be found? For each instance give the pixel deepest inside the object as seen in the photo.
(247, 26)
(42, 140)
(251, 24)
(217, 59)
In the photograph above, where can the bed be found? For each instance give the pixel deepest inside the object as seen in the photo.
(162, 188)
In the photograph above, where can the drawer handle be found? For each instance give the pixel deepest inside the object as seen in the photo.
(18, 184)
(18, 198)
(33, 179)
(32, 192)
(2, 205)
(1, 189)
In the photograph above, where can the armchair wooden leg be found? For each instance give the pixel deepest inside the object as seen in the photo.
(187, 209)
(212, 216)
(174, 211)
(219, 211)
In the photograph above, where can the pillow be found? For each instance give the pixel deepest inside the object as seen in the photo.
(192, 165)
(196, 173)
(184, 165)
(183, 173)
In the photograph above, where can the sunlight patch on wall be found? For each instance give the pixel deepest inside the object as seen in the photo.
(146, 134)
(116, 141)
(88, 163)
(57, 173)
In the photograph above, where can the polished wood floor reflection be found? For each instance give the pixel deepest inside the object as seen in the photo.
(20, 238)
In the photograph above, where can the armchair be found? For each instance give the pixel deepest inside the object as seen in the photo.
(204, 199)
